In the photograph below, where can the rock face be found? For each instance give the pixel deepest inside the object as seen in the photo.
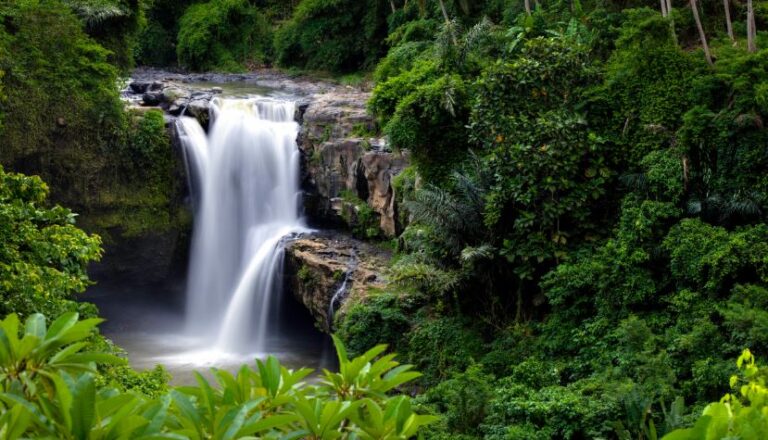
(346, 169)
(323, 270)
(341, 164)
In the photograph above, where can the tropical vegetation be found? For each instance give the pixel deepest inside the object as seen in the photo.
(583, 241)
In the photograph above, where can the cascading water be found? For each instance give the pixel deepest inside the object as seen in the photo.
(245, 177)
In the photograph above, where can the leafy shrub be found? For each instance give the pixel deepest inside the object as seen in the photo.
(43, 256)
(737, 415)
(48, 388)
(227, 35)
(379, 318)
(550, 412)
(440, 347)
(462, 400)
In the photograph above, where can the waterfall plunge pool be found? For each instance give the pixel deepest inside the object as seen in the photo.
(149, 324)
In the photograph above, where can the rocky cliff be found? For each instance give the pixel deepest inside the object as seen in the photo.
(344, 164)
(347, 170)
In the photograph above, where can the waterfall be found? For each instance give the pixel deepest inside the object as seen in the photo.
(342, 290)
(246, 185)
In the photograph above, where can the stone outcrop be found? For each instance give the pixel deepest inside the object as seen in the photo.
(341, 164)
(323, 270)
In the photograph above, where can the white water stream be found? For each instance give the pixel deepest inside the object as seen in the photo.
(245, 179)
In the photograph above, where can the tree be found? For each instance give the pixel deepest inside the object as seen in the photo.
(728, 24)
(751, 31)
(43, 256)
(702, 35)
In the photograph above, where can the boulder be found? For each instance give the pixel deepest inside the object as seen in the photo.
(139, 87)
(178, 106)
(198, 108)
(173, 93)
(152, 98)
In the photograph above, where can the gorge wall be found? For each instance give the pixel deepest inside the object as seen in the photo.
(346, 178)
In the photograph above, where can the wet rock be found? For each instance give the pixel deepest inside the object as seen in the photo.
(178, 106)
(152, 98)
(172, 93)
(139, 87)
(198, 108)
(217, 90)
(316, 267)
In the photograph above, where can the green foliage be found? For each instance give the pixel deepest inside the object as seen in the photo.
(318, 37)
(517, 411)
(739, 415)
(549, 169)
(49, 388)
(463, 400)
(440, 347)
(43, 256)
(224, 35)
(363, 220)
(114, 24)
(377, 318)
(61, 101)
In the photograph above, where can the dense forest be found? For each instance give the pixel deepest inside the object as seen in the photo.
(584, 241)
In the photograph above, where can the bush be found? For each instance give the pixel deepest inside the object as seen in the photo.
(443, 346)
(462, 400)
(270, 401)
(553, 412)
(379, 318)
(228, 35)
(739, 415)
(43, 256)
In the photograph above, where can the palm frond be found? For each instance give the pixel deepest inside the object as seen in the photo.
(96, 12)
(473, 254)
(476, 36)
(425, 277)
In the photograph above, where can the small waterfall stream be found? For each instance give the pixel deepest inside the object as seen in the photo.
(246, 182)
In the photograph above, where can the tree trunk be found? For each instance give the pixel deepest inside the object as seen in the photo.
(728, 24)
(664, 8)
(392, 5)
(751, 32)
(528, 7)
(671, 21)
(445, 12)
(702, 36)
(448, 22)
